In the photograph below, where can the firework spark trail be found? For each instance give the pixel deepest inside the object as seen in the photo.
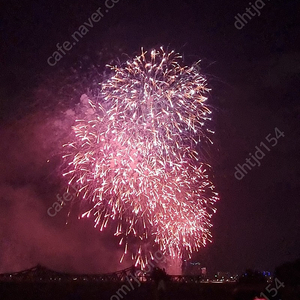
(136, 159)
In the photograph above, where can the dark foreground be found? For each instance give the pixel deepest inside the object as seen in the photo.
(141, 291)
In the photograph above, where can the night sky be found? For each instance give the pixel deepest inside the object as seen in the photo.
(254, 74)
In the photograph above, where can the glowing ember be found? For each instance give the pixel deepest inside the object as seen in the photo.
(136, 156)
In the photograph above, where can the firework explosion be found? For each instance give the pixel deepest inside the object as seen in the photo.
(136, 159)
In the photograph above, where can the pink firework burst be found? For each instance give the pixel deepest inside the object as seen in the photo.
(136, 159)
